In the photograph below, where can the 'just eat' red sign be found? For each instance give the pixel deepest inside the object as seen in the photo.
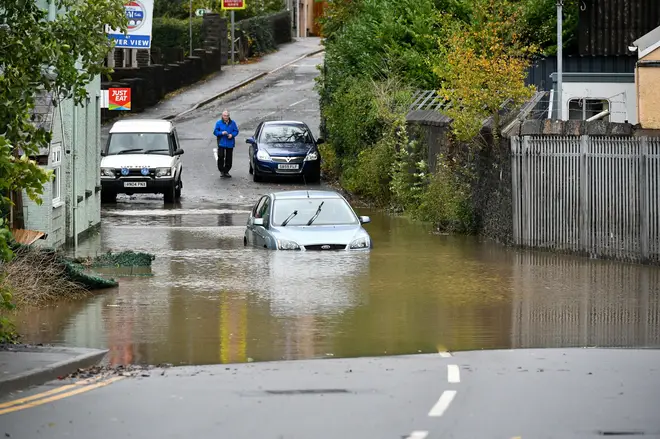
(233, 4)
(119, 99)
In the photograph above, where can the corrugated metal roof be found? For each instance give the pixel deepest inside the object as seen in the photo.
(608, 27)
(428, 117)
(42, 114)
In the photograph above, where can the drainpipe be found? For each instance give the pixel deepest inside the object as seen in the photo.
(74, 189)
(52, 13)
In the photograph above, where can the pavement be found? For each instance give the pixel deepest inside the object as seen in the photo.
(22, 366)
(539, 394)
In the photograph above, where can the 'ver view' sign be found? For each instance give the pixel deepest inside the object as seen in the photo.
(138, 32)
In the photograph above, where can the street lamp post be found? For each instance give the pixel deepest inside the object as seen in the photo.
(560, 58)
(190, 28)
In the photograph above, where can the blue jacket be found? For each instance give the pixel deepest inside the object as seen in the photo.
(231, 128)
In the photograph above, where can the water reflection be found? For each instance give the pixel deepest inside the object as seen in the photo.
(210, 300)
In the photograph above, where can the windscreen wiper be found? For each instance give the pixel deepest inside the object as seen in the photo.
(129, 150)
(155, 150)
(289, 218)
(316, 215)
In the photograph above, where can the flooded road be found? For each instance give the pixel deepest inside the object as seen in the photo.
(210, 300)
(207, 299)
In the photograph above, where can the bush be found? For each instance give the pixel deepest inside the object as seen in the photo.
(264, 33)
(446, 201)
(37, 276)
(173, 33)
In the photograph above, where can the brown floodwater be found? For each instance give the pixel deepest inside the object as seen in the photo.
(207, 299)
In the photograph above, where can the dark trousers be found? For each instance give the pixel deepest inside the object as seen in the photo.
(225, 156)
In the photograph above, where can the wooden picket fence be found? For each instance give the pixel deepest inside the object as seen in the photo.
(597, 196)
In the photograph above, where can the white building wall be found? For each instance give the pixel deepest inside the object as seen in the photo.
(622, 97)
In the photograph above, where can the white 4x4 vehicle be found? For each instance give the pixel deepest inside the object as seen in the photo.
(142, 156)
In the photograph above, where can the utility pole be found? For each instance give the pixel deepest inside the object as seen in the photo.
(560, 59)
(233, 40)
(190, 28)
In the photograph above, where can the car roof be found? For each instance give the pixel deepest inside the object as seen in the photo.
(294, 195)
(284, 122)
(142, 126)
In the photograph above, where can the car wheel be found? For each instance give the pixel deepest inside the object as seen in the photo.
(177, 191)
(314, 177)
(256, 177)
(108, 197)
(170, 193)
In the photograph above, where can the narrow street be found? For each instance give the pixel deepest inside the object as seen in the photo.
(228, 316)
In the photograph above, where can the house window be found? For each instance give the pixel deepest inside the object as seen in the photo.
(56, 165)
(583, 109)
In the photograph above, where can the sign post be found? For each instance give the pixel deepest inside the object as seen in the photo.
(232, 5)
(138, 33)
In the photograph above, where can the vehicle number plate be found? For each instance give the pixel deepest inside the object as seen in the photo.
(135, 184)
(287, 166)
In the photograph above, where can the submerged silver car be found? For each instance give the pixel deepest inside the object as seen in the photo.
(306, 220)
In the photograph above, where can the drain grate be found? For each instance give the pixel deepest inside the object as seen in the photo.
(621, 433)
(305, 391)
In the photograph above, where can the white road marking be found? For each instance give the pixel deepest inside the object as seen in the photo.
(296, 103)
(272, 112)
(418, 435)
(215, 154)
(443, 403)
(445, 354)
(453, 374)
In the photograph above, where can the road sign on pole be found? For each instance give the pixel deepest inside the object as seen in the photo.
(232, 5)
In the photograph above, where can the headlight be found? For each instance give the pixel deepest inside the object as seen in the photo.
(263, 155)
(163, 172)
(312, 156)
(360, 243)
(283, 244)
(107, 172)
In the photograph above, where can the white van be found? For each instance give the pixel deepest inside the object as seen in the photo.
(142, 156)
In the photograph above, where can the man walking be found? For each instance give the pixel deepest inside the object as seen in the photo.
(225, 131)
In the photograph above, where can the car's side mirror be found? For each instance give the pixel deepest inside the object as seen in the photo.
(320, 141)
(258, 222)
(178, 151)
(249, 140)
(365, 220)
(103, 154)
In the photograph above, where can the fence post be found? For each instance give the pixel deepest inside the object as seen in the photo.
(585, 208)
(526, 218)
(515, 189)
(644, 232)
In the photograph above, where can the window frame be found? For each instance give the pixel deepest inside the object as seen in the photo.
(56, 167)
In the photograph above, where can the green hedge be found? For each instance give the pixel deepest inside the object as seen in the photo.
(171, 33)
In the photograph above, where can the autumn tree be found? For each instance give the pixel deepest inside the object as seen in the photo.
(484, 65)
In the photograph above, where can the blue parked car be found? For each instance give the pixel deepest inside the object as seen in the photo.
(306, 220)
(284, 148)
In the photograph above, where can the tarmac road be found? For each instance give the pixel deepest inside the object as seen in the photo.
(535, 394)
(285, 95)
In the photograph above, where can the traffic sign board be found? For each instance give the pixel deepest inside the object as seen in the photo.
(233, 4)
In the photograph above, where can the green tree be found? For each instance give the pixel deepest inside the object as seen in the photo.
(60, 56)
(484, 65)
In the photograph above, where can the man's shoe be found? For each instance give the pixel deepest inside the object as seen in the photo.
(223, 175)
(227, 175)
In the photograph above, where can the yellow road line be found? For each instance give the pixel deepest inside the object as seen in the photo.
(34, 401)
(48, 393)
